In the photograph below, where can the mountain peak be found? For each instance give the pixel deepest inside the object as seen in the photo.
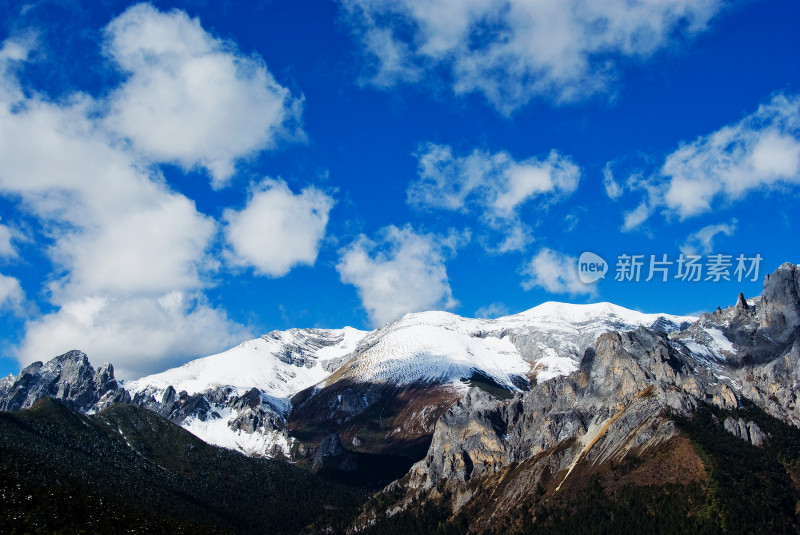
(68, 377)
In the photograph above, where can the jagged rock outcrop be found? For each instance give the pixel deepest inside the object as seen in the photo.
(330, 453)
(780, 303)
(69, 378)
(623, 399)
(246, 415)
(255, 414)
(741, 302)
(748, 431)
(616, 402)
(178, 406)
(767, 343)
(331, 446)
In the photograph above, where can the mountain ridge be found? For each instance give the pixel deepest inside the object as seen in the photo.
(522, 410)
(441, 348)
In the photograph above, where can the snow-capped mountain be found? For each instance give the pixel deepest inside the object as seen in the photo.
(540, 343)
(68, 377)
(412, 370)
(279, 364)
(634, 413)
(239, 399)
(518, 409)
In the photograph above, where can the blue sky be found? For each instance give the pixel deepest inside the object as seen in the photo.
(176, 177)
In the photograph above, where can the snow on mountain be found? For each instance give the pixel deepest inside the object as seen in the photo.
(425, 347)
(555, 335)
(545, 341)
(280, 364)
(557, 315)
(434, 346)
(709, 344)
(219, 404)
(218, 432)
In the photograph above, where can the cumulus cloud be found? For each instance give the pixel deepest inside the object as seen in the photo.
(115, 226)
(761, 152)
(277, 229)
(400, 271)
(702, 241)
(119, 236)
(12, 297)
(130, 255)
(191, 98)
(139, 335)
(555, 272)
(758, 152)
(494, 184)
(510, 51)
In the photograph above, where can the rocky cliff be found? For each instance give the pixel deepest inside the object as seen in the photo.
(70, 378)
(622, 402)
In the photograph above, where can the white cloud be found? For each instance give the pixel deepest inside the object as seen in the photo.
(494, 310)
(139, 335)
(613, 189)
(555, 272)
(14, 50)
(513, 50)
(119, 238)
(633, 218)
(116, 227)
(702, 241)
(278, 229)
(11, 294)
(191, 98)
(7, 249)
(494, 184)
(400, 272)
(761, 152)
(758, 152)
(571, 222)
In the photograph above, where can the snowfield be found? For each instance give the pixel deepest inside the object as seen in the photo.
(442, 347)
(280, 364)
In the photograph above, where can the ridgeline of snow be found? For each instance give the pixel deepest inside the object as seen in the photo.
(280, 364)
(442, 347)
(426, 347)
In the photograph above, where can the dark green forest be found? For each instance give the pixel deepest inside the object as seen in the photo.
(60, 470)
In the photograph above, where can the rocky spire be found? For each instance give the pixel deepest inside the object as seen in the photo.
(741, 302)
(69, 378)
(780, 302)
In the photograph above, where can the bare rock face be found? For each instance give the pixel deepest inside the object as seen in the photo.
(331, 446)
(251, 412)
(767, 363)
(622, 399)
(741, 302)
(748, 431)
(469, 440)
(254, 414)
(780, 303)
(616, 402)
(775, 386)
(69, 378)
